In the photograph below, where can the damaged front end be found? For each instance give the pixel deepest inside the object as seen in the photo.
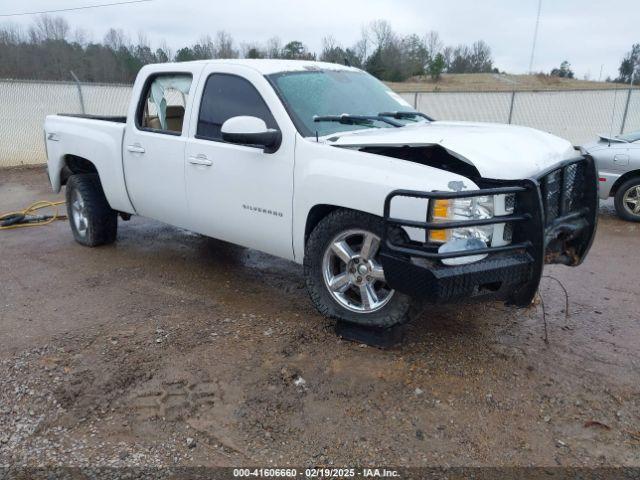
(551, 219)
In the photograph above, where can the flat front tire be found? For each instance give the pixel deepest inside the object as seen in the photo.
(93, 222)
(343, 273)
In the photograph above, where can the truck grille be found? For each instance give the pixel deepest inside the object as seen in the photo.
(562, 191)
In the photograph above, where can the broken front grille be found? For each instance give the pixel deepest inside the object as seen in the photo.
(562, 191)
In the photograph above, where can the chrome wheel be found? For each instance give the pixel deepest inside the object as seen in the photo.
(631, 200)
(79, 214)
(353, 274)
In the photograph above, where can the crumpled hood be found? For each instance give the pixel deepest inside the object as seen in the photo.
(498, 151)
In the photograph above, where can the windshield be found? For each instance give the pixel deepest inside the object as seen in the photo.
(630, 137)
(334, 92)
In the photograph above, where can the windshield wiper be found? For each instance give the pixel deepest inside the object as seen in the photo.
(347, 119)
(408, 114)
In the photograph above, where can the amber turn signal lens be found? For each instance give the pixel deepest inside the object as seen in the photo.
(438, 236)
(440, 213)
(441, 209)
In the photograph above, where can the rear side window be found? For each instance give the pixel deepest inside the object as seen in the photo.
(226, 96)
(165, 100)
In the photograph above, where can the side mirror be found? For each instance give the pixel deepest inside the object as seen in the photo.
(251, 131)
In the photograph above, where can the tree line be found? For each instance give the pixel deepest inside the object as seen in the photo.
(49, 49)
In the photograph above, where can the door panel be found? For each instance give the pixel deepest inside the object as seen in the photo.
(155, 176)
(154, 147)
(243, 197)
(235, 192)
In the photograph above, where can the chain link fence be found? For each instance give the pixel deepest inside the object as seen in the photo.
(25, 104)
(578, 115)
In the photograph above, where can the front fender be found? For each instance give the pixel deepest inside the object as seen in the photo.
(348, 178)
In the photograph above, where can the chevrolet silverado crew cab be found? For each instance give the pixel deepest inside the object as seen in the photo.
(324, 165)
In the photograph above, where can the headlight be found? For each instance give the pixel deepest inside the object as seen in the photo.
(471, 208)
(470, 238)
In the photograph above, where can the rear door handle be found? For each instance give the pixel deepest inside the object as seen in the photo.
(200, 159)
(136, 148)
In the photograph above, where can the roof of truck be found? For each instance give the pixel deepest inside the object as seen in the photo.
(269, 66)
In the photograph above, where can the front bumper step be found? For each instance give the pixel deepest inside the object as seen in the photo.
(492, 278)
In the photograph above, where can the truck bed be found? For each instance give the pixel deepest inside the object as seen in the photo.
(97, 139)
(105, 118)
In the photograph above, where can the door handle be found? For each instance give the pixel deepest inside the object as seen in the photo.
(136, 148)
(200, 159)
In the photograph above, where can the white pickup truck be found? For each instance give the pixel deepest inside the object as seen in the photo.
(324, 165)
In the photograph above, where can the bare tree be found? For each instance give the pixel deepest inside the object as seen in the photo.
(81, 36)
(332, 52)
(447, 55)
(329, 43)
(142, 51)
(433, 43)
(473, 59)
(11, 34)
(205, 48)
(363, 46)
(381, 33)
(274, 48)
(223, 46)
(46, 28)
(164, 52)
(143, 40)
(115, 39)
(481, 61)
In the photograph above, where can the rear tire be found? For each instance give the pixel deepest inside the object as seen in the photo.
(359, 293)
(93, 222)
(627, 200)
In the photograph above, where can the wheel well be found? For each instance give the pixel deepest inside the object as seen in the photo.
(316, 214)
(74, 164)
(621, 180)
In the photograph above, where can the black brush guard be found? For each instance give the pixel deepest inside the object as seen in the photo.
(553, 221)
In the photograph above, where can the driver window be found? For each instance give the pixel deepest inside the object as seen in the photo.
(164, 105)
(226, 96)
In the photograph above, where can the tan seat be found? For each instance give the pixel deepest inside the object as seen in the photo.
(175, 116)
(153, 122)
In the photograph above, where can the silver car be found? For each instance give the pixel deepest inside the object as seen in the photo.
(618, 162)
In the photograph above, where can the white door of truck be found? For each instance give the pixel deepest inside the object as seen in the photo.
(153, 149)
(239, 193)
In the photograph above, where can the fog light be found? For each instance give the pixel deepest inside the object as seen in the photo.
(462, 245)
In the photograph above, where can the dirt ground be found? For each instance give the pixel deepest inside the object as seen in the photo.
(169, 348)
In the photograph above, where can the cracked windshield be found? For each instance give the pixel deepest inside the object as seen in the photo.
(329, 93)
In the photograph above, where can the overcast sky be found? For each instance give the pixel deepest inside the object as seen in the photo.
(588, 33)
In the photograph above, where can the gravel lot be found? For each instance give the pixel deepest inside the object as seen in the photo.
(169, 348)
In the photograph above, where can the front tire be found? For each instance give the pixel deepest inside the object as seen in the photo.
(627, 200)
(93, 222)
(343, 273)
